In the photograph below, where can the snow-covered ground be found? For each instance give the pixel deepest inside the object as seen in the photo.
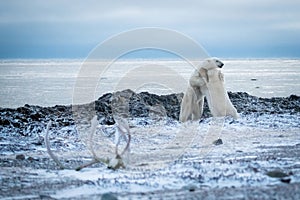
(168, 159)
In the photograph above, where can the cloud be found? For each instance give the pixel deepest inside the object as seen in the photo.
(89, 22)
(151, 13)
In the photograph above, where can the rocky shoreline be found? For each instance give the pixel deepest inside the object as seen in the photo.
(140, 105)
(240, 168)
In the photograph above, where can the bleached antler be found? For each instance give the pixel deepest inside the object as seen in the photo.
(49, 149)
(122, 129)
(96, 159)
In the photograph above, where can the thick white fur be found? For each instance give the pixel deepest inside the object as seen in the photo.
(217, 96)
(192, 105)
(208, 81)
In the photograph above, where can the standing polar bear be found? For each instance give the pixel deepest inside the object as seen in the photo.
(206, 81)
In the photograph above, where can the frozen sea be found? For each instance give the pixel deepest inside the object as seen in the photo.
(53, 81)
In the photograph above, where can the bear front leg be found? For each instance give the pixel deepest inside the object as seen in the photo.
(200, 104)
(197, 108)
(186, 105)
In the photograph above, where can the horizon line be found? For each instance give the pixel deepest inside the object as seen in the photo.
(149, 58)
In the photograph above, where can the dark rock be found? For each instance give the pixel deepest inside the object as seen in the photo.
(218, 142)
(32, 159)
(276, 174)
(35, 116)
(16, 124)
(63, 121)
(294, 98)
(255, 169)
(190, 188)
(108, 120)
(108, 196)
(24, 110)
(46, 197)
(60, 108)
(39, 141)
(127, 103)
(27, 105)
(4, 122)
(285, 180)
(20, 157)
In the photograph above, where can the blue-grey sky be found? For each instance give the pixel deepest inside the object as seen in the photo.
(225, 28)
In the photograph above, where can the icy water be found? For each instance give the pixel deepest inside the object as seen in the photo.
(52, 82)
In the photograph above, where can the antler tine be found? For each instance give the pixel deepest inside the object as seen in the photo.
(123, 127)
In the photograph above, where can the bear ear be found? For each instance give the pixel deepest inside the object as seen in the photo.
(205, 64)
(208, 61)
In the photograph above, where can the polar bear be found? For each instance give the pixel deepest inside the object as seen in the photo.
(191, 107)
(207, 81)
(217, 96)
(193, 99)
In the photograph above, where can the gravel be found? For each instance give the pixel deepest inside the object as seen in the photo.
(257, 159)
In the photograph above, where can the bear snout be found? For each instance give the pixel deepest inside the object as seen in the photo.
(219, 64)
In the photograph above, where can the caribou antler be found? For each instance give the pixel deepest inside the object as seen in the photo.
(122, 129)
(49, 149)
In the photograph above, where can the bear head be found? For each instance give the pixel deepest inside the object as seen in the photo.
(212, 63)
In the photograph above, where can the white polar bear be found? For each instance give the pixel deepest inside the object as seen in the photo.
(217, 96)
(207, 81)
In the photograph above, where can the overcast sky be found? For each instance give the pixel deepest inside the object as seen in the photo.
(225, 28)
